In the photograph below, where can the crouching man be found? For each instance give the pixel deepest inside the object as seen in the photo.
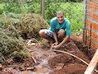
(59, 31)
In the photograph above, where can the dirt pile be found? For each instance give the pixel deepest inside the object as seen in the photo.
(12, 27)
(30, 25)
(66, 64)
(49, 62)
(27, 25)
(11, 45)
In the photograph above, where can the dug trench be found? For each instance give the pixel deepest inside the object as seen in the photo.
(47, 61)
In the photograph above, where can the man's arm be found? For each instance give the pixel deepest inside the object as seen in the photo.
(64, 41)
(55, 37)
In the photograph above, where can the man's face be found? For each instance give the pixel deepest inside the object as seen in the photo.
(60, 18)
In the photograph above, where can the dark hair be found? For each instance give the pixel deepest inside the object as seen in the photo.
(59, 12)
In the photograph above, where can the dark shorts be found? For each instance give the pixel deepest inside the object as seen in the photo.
(49, 33)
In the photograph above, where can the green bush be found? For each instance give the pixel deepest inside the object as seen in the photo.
(72, 11)
(1, 11)
(13, 6)
(10, 42)
(50, 11)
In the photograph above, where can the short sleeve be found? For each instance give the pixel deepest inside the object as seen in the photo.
(68, 29)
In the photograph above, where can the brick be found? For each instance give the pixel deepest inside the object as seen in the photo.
(93, 45)
(88, 41)
(89, 5)
(95, 27)
(88, 14)
(88, 32)
(97, 7)
(93, 0)
(89, 23)
(91, 14)
(92, 6)
(94, 36)
(96, 18)
(97, 39)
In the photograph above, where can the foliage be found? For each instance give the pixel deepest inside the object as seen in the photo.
(1, 8)
(21, 6)
(30, 25)
(72, 11)
(51, 11)
(12, 27)
(10, 42)
(12, 6)
(33, 7)
(1, 11)
(27, 25)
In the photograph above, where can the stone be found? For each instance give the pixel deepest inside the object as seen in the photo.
(31, 68)
(1, 67)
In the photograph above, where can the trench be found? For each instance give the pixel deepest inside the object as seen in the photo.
(49, 62)
(42, 57)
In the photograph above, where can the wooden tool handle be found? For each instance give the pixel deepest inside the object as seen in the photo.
(93, 64)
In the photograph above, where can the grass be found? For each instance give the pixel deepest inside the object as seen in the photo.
(1, 5)
(72, 10)
(75, 15)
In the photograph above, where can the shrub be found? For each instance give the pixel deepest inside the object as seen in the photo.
(10, 42)
(30, 25)
(1, 11)
(72, 11)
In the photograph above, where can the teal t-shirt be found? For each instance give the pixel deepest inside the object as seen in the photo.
(55, 26)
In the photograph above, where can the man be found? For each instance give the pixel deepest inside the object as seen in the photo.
(59, 30)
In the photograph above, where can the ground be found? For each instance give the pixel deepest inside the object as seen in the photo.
(46, 61)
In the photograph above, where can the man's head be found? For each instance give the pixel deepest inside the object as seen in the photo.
(60, 16)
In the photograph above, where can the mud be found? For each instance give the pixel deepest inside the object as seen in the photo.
(49, 62)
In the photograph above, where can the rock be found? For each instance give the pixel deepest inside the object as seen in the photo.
(11, 61)
(32, 41)
(31, 68)
(22, 68)
(1, 67)
(59, 66)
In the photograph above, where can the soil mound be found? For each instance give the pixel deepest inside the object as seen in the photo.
(66, 64)
(30, 25)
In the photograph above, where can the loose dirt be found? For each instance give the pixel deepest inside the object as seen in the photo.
(49, 62)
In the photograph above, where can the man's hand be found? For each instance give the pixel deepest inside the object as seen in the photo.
(56, 43)
(55, 46)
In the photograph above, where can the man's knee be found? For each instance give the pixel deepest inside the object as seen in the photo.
(61, 33)
(42, 33)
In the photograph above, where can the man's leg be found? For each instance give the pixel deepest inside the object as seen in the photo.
(61, 34)
(43, 34)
